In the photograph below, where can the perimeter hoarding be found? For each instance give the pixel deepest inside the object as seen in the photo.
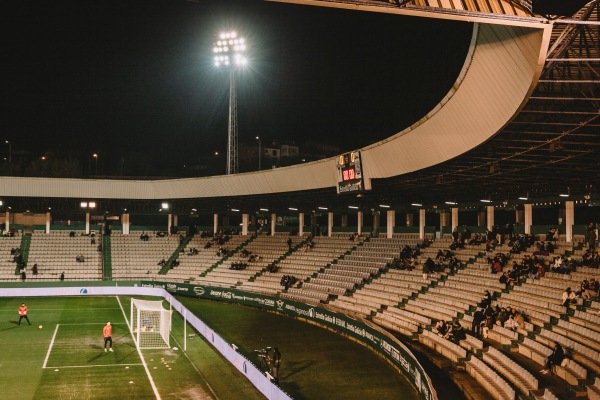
(399, 355)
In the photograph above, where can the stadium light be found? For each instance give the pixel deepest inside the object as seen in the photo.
(353, 207)
(230, 53)
(264, 209)
(384, 206)
(416, 204)
(84, 204)
(451, 203)
(165, 206)
(292, 209)
(322, 208)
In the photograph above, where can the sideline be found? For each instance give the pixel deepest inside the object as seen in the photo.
(50, 347)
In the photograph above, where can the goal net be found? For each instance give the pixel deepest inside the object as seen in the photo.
(150, 324)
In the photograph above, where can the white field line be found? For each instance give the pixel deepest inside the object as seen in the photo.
(140, 353)
(93, 366)
(62, 309)
(196, 368)
(50, 347)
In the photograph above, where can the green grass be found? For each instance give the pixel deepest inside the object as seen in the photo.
(317, 364)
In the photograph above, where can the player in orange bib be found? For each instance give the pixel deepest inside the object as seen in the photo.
(23, 314)
(107, 332)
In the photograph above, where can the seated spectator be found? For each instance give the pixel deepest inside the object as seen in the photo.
(34, 269)
(591, 289)
(568, 298)
(441, 328)
(558, 354)
(162, 262)
(72, 234)
(486, 300)
(478, 318)
(457, 333)
(511, 323)
(552, 234)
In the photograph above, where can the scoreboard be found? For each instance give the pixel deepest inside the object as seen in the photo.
(349, 173)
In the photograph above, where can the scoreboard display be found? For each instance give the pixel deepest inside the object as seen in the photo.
(349, 172)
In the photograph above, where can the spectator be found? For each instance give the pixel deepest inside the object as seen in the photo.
(568, 298)
(555, 358)
(34, 269)
(478, 318)
(441, 328)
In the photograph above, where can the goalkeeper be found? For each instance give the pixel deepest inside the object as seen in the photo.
(107, 332)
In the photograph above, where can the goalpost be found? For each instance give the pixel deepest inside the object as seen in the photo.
(150, 324)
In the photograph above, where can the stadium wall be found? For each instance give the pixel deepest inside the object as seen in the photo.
(242, 364)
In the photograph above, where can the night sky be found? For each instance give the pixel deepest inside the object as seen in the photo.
(135, 81)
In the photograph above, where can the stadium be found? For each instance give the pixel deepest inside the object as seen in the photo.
(454, 259)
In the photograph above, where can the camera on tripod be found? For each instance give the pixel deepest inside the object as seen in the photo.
(264, 356)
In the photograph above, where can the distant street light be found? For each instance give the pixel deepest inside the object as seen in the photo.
(96, 157)
(259, 153)
(229, 53)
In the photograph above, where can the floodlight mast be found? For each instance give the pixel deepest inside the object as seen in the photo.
(229, 53)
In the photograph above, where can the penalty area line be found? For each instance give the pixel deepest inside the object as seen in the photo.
(50, 347)
(94, 366)
(154, 388)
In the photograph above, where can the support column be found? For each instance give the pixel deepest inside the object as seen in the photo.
(273, 223)
(329, 224)
(528, 218)
(569, 219)
(48, 218)
(301, 224)
(169, 223)
(87, 223)
(490, 217)
(176, 221)
(7, 220)
(444, 219)
(215, 223)
(125, 222)
(245, 219)
(454, 218)
(422, 223)
(409, 219)
(360, 222)
(391, 222)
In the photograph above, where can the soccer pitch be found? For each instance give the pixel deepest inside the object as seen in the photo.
(66, 359)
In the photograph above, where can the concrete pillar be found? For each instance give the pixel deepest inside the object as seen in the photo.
(7, 220)
(391, 222)
(444, 219)
(528, 218)
(87, 223)
(490, 217)
(245, 219)
(273, 223)
(126, 224)
(454, 218)
(329, 224)
(409, 219)
(215, 223)
(175, 220)
(569, 219)
(360, 222)
(344, 221)
(422, 223)
(48, 218)
(169, 223)
(300, 224)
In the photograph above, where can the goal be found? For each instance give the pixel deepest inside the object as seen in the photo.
(150, 324)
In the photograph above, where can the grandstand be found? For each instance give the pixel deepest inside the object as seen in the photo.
(483, 162)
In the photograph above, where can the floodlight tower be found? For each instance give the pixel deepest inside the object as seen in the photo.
(229, 53)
